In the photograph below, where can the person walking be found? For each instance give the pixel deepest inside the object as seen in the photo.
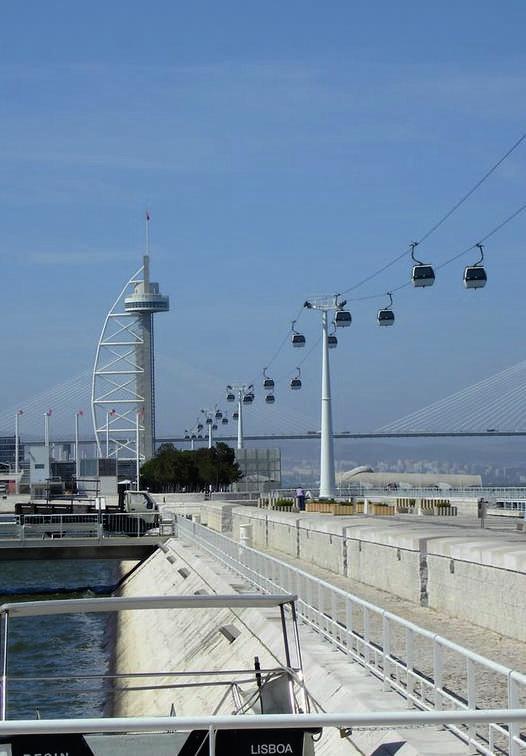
(300, 499)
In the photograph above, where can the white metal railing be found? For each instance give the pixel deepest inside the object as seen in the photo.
(511, 493)
(345, 722)
(428, 670)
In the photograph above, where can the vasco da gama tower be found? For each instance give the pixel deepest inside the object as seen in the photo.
(123, 381)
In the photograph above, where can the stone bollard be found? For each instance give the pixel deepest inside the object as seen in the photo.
(245, 534)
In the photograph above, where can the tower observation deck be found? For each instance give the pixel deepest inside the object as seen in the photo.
(123, 383)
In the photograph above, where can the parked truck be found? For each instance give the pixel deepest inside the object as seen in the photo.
(135, 513)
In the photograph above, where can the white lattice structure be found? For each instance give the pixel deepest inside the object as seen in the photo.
(123, 382)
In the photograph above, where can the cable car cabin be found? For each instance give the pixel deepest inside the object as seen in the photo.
(474, 277)
(200, 426)
(295, 384)
(268, 384)
(187, 436)
(214, 427)
(224, 421)
(270, 399)
(385, 317)
(218, 415)
(342, 318)
(235, 416)
(248, 399)
(298, 340)
(423, 275)
(200, 436)
(209, 421)
(332, 342)
(230, 398)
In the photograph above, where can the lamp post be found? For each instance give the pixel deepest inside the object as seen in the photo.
(244, 394)
(17, 442)
(342, 318)
(47, 415)
(77, 460)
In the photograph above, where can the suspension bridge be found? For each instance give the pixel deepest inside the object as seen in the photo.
(491, 407)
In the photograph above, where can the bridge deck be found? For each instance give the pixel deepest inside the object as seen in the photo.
(117, 547)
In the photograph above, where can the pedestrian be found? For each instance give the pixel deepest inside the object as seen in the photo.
(300, 499)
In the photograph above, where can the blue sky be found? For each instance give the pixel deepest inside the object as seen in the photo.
(284, 149)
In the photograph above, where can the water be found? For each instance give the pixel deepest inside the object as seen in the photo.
(74, 644)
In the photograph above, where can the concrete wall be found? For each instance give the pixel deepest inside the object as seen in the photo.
(190, 640)
(468, 573)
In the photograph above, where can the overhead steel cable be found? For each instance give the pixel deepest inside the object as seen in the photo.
(282, 344)
(456, 256)
(443, 219)
(473, 189)
(491, 233)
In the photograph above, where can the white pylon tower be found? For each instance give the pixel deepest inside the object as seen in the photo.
(327, 304)
(123, 373)
(243, 394)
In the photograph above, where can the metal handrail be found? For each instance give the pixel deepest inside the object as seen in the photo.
(317, 606)
(356, 489)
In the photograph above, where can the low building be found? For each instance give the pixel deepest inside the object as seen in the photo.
(261, 470)
(401, 481)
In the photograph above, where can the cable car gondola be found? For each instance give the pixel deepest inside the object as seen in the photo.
(199, 426)
(248, 398)
(332, 339)
(295, 383)
(268, 383)
(209, 421)
(218, 415)
(224, 421)
(270, 399)
(298, 339)
(214, 427)
(187, 436)
(475, 275)
(235, 415)
(422, 274)
(386, 316)
(200, 436)
(230, 397)
(342, 318)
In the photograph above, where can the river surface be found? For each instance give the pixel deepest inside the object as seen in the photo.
(66, 645)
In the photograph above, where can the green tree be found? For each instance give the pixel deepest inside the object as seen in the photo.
(173, 469)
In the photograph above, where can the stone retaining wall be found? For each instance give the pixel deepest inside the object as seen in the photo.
(468, 573)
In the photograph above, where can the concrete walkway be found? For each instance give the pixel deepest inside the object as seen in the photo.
(338, 685)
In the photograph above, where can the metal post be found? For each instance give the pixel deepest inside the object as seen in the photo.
(77, 460)
(46, 428)
(137, 451)
(191, 444)
(17, 442)
(240, 420)
(4, 667)
(327, 475)
(107, 434)
(210, 435)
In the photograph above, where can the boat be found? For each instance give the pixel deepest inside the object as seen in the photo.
(243, 702)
